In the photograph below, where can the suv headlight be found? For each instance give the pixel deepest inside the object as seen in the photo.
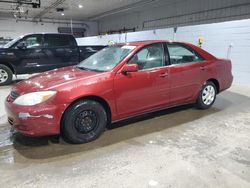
(34, 98)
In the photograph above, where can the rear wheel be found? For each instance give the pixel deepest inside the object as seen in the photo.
(5, 75)
(84, 121)
(207, 95)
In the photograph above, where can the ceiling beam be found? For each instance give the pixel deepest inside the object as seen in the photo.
(25, 2)
(48, 9)
(123, 9)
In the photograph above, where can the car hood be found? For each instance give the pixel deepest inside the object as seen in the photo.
(53, 79)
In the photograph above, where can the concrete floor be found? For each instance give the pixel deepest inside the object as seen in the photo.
(180, 147)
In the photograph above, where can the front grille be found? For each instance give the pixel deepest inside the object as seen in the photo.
(13, 95)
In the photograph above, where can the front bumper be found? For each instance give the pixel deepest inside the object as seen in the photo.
(39, 120)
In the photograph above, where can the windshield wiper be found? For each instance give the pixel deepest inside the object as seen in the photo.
(87, 69)
(84, 68)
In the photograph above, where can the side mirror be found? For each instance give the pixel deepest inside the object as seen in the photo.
(21, 46)
(130, 68)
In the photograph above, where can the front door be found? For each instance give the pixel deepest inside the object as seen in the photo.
(146, 89)
(29, 54)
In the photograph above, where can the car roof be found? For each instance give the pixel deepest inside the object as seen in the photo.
(142, 43)
(41, 33)
(148, 42)
(202, 52)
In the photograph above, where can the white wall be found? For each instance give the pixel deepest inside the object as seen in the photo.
(218, 38)
(9, 28)
(161, 34)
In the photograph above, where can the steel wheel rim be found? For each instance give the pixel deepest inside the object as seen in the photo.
(86, 121)
(208, 95)
(3, 76)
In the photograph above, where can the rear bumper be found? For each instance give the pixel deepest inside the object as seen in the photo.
(39, 120)
(227, 83)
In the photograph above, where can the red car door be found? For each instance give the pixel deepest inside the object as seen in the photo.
(186, 75)
(146, 89)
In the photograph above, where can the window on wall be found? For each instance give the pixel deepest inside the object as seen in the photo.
(180, 54)
(149, 57)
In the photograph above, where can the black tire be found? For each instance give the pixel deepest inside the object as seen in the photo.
(83, 122)
(5, 72)
(200, 103)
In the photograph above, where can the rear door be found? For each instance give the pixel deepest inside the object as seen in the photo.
(187, 73)
(61, 50)
(73, 52)
(146, 89)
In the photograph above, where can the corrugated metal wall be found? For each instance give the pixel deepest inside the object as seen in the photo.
(171, 13)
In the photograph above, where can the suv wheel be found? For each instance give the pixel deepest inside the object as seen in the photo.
(5, 75)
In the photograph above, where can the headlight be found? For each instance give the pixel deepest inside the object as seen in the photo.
(34, 98)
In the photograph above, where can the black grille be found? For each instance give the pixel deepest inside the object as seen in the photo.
(13, 95)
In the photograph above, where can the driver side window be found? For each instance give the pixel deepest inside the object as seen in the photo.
(30, 42)
(149, 57)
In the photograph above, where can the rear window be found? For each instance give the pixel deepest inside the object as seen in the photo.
(58, 41)
(180, 54)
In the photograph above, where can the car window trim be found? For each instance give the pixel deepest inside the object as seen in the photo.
(193, 62)
(167, 56)
(151, 69)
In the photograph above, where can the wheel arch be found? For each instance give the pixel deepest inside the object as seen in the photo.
(102, 101)
(9, 66)
(216, 83)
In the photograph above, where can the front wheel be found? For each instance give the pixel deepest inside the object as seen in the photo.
(84, 121)
(207, 96)
(5, 75)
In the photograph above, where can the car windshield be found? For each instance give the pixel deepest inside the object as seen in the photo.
(106, 59)
(9, 44)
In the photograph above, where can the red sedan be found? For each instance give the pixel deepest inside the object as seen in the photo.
(118, 82)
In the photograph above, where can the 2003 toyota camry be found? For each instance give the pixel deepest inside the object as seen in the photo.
(118, 82)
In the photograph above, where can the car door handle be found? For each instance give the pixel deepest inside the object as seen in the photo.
(203, 67)
(164, 75)
(69, 51)
(38, 50)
